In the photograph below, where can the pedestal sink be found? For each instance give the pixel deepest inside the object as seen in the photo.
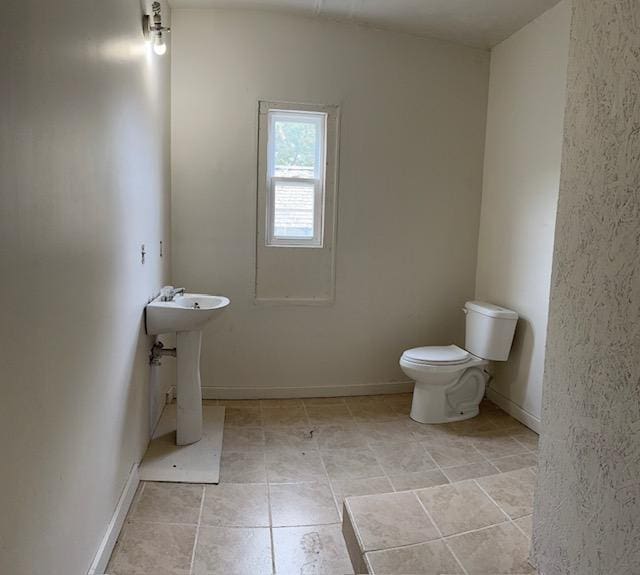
(186, 315)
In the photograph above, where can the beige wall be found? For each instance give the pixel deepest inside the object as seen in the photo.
(84, 180)
(523, 148)
(412, 135)
(588, 498)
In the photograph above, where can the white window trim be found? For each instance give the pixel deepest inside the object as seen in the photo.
(279, 111)
(266, 256)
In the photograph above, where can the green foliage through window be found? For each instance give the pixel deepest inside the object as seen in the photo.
(295, 144)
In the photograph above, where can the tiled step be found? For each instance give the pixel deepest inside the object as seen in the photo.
(474, 526)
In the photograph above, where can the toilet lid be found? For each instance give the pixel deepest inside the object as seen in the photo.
(438, 355)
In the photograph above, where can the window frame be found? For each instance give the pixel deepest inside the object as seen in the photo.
(317, 115)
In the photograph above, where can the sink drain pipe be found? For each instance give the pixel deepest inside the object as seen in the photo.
(158, 350)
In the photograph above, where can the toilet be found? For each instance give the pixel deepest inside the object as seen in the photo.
(450, 381)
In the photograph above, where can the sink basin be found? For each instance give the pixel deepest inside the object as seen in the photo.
(186, 315)
(188, 312)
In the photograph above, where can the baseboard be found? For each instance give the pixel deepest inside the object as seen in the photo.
(514, 410)
(99, 565)
(300, 392)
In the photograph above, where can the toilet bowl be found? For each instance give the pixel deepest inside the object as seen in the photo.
(446, 389)
(450, 381)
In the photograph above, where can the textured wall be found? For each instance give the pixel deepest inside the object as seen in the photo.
(587, 513)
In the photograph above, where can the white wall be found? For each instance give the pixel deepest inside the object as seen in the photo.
(84, 180)
(523, 150)
(587, 501)
(412, 135)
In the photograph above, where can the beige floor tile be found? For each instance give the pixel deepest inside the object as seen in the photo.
(399, 399)
(153, 549)
(242, 403)
(232, 551)
(398, 431)
(526, 437)
(460, 507)
(526, 525)
(236, 505)
(374, 412)
(488, 405)
(243, 467)
(320, 401)
(402, 458)
(243, 438)
(168, 503)
(512, 491)
(316, 550)
(470, 471)
(418, 480)
(513, 462)
(295, 504)
(281, 403)
(401, 411)
(469, 427)
(495, 444)
(428, 431)
(364, 399)
(499, 549)
(431, 558)
(242, 416)
(329, 414)
(210, 402)
(502, 419)
(350, 487)
(450, 452)
(343, 436)
(288, 416)
(285, 466)
(390, 520)
(351, 463)
(290, 437)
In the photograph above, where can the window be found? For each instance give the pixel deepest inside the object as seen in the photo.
(296, 204)
(295, 177)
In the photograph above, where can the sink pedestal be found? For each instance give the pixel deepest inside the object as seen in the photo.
(188, 387)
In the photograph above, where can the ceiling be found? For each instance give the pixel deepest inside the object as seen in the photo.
(479, 23)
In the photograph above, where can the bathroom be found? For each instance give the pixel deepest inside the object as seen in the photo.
(466, 152)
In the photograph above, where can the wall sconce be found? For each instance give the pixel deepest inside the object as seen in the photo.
(153, 29)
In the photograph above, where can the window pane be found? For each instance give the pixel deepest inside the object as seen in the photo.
(295, 147)
(293, 209)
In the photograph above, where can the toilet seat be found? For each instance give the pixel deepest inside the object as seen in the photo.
(437, 355)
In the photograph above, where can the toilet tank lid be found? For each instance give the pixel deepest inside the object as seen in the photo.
(491, 310)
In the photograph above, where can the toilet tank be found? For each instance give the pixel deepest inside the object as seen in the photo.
(489, 330)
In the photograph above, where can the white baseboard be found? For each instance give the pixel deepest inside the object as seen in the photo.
(514, 410)
(99, 565)
(300, 392)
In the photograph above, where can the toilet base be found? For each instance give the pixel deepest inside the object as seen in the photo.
(448, 403)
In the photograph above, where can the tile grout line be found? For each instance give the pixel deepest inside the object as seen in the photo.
(414, 439)
(444, 538)
(510, 520)
(354, 524)
(424, 507)
(333, 493)
(268, 486)
(195, 541)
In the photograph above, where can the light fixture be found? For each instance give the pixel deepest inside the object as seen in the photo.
(153, 29)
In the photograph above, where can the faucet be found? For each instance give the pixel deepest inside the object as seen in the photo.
(167, 293)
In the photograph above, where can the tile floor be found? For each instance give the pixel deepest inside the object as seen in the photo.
(287, 466)
(477, 526)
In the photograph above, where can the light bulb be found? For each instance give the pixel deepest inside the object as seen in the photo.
(159, 47)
